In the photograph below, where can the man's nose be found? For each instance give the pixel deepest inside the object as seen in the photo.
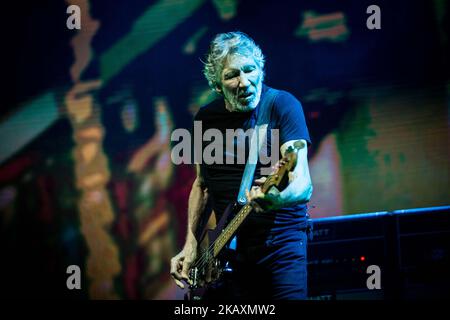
(243, 82)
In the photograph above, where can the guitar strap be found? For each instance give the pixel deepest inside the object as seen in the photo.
(258, 139)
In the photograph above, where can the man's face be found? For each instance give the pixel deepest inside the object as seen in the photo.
(241, 80)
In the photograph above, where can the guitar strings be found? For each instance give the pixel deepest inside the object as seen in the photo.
(205, 256)
(204, 259)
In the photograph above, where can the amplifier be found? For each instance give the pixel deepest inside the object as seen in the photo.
(402, 254)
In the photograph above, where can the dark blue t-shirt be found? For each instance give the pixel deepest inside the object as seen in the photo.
(223, 180)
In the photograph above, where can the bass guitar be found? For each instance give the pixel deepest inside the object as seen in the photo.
(212, 262)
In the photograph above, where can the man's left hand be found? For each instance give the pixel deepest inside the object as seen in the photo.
(264, 202)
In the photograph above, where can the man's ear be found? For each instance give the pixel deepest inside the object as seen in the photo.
(218, 89)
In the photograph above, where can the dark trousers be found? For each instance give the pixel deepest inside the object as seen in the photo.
(271, 269)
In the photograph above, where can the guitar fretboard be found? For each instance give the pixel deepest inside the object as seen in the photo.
(228, 232)
(273, 180)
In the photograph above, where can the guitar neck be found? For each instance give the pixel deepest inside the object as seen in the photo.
(231, 228)
(276, 180)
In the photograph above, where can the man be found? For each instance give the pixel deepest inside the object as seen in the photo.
(271, 243)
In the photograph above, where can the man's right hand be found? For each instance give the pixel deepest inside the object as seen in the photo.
(181, 263)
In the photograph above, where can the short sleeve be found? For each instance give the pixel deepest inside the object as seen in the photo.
(289, 118)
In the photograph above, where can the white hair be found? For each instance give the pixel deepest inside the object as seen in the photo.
(225, 44)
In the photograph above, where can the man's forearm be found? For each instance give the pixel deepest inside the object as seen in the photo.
(300, 187)
(198, 199)
(297, 192)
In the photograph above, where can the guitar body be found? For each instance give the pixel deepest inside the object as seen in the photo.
(216, 266)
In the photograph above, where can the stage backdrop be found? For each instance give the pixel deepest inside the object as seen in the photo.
(86, 177)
